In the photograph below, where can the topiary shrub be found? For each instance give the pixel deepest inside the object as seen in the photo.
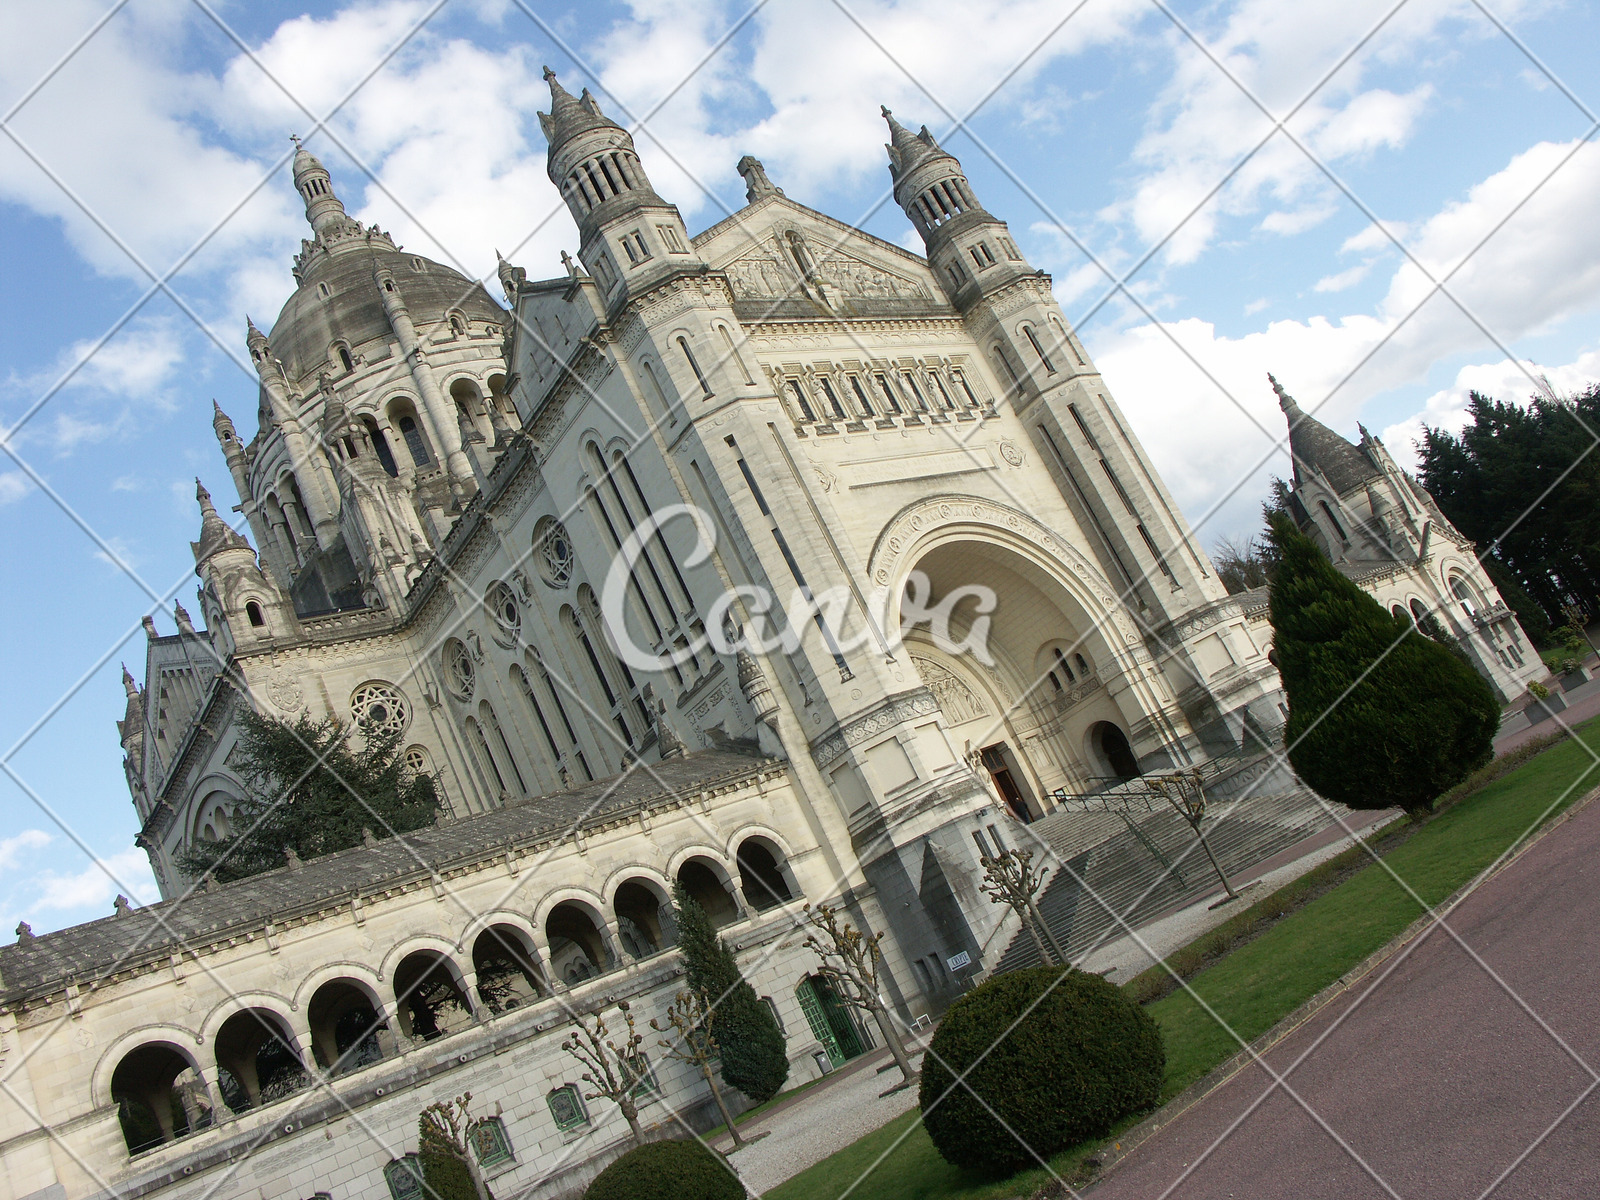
(1379, 714)
(676, 1170)
(1080, 1060)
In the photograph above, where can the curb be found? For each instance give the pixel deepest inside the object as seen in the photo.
(1224, 1072)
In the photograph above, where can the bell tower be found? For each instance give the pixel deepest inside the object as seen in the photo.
(631, 239)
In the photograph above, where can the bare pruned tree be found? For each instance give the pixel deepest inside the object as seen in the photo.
(691, 1018)
(446, 1129)
(1011, 878)
(614, 1071)
(849, 961)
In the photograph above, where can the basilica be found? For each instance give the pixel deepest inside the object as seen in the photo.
(634, 561)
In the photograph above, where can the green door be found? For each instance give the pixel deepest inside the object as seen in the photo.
(829, 1020)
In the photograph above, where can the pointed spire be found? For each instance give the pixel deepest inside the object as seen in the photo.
(181, 616)
(1285, 401)
(906, 149)
(128, 684)
(511, 278)
(570, 115)
(215, 533)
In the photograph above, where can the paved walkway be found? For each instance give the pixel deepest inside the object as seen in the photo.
(825, 1118)
(1440, 1083)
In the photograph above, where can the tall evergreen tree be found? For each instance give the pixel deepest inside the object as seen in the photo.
(1511, 456)
(1379, 714)
(308, 789)
(753, 1055)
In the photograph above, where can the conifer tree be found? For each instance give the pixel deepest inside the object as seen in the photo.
(1417, 723)
(753, 1056)
(310, 791)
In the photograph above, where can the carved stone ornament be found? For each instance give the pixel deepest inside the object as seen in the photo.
(897, 709)
(957, 700)
(285, 694)
(1011, 452)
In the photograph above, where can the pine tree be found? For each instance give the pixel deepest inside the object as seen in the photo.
(753, 1055)
(310, 791)
(1415, 724)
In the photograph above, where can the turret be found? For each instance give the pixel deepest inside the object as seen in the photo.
(227, 566)
(324, 209)
(970, 250)
(629, 234)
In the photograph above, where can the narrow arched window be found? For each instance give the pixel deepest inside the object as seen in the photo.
(1050, 367)
(345, 360)
(1333, 520)
(688, 354)
(414, 442)
(252, 610)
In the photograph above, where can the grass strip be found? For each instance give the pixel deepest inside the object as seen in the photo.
(1273, 965)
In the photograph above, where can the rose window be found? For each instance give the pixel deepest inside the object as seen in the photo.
(501, 602)
(552, 550)
(378, 708)
(459, 672)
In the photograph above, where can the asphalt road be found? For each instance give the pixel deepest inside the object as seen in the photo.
(1439, 1081)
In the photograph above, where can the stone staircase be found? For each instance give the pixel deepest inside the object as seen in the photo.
(1101, 863)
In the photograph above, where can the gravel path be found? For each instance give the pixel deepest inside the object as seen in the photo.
(1438, 1084)
(827, 1118)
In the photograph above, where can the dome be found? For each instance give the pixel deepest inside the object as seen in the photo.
(352, 310)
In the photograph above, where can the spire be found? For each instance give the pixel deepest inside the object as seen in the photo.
(128, 684)
(1285, 401)
(511, 278)
(1315, 447)
(215, 533)
(324, 209)
(906, 149)
(181, 616)
(569, 115)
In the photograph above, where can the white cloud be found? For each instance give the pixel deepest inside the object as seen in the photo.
(14, 485)
(95, 886)
(1343, 280)
(13, 848)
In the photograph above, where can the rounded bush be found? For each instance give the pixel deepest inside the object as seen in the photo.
(677, 1170)
(1081, 1059)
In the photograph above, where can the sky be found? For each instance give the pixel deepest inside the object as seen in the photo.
(1387, 204)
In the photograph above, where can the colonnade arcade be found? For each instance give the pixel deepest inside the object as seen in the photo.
(349, 1015)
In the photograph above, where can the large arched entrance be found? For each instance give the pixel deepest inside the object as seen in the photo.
(1021, 716)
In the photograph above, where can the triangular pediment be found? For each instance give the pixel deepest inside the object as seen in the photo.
(779, 249)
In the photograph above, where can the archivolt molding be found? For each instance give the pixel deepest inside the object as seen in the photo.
(357, 972)
(179, 1037)
(410, 945)
(913, 527)
(278, 1005)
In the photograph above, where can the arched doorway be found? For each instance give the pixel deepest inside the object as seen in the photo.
(577, 949)
(1110, 744)
(704, 882)
(830, 1020)
(1022, 677)
(431, 1000)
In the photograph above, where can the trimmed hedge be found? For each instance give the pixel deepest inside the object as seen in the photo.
(676, 1170)
(1083, 1058)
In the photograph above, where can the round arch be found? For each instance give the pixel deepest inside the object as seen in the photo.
(183, 1041)
(409, 945)
(365, 974)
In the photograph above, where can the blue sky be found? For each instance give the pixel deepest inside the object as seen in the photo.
(1107, 130)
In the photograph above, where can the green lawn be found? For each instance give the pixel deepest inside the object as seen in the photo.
(1256, 985)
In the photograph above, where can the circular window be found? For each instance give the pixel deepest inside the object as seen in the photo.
(552, 550)
(459, 673)
(501, 602)
(378, 708)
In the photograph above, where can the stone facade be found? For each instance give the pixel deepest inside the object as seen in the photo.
(438, 490)
(1385, 532)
